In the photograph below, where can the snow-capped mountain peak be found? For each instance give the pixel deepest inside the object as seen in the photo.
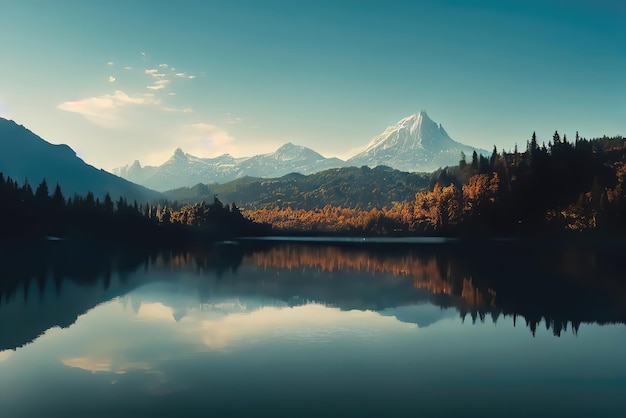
(415, 143)
(179, 154)
(290, 151)
(183, 169)
(414, 122)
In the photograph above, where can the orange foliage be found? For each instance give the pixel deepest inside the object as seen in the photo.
(439, 209)
(426, 272)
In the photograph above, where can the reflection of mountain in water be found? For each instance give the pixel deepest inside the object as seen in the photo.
(562, 287)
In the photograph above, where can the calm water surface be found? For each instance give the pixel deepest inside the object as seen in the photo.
(294, 329)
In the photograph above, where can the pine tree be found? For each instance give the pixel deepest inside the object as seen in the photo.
(474, 161)
(57, 197)
(532, 149)
(41, 194)
(494, 157)
(108, 204)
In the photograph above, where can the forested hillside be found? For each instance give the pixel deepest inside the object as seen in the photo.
(576, 186)
(361, 188)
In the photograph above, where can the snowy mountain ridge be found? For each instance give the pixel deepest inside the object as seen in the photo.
(415, 143)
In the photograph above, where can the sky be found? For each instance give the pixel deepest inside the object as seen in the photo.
(120, 81)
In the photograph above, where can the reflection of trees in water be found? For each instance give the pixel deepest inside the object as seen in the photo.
(557, 326)
(557, 284)
(428, 271)
(35, 290)
(220, 258)
(537, 285)
(84, 263)
(90, 263)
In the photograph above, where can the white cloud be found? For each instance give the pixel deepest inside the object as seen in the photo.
(163, 65)
(111, 79)
(104, 110)
(128, 68)
(173, 109)
(110, 63)
(184, 75)
(155, 73)
(159, 84)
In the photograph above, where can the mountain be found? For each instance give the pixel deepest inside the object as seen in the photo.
(182, 169)
(415, 143)
(186, 170)
(26, 156)
(351, 187)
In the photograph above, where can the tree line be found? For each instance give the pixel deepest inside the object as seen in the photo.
(563, 185)
(27, 214)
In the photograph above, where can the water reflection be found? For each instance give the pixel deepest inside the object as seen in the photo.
(311, 330)
(53, 285)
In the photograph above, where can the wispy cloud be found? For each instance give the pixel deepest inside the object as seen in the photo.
(233, 120)
(104, 110)
(184, 75)
(159, 84)
(173, 109)
(162, 79)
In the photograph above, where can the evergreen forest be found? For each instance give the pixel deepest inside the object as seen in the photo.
(562, 186)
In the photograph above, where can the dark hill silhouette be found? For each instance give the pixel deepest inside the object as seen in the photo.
(26, 156)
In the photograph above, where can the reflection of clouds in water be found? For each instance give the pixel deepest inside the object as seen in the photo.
(98, 364)
(6, 354)
(301, 324)
(158, 338)
(155, 311)
(90, 364)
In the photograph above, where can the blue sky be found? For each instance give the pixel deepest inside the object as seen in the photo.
(126, 80)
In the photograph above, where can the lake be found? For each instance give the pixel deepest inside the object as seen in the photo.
(297, 329)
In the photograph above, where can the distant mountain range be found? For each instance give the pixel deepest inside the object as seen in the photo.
(414, 144)
(26, 156)
(186, 170)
